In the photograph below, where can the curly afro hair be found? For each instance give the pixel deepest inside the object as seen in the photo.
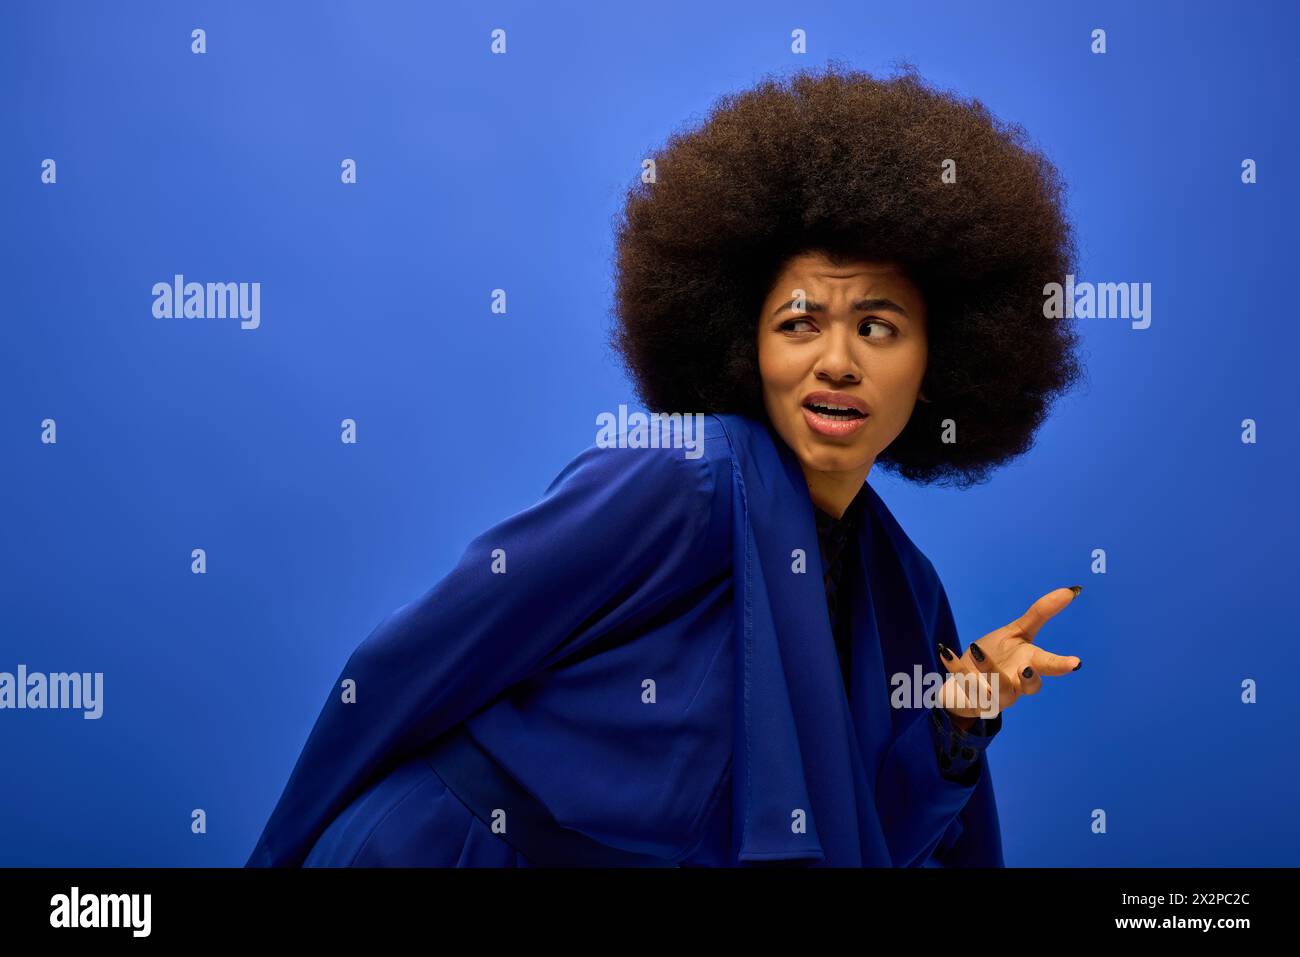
(850, 165)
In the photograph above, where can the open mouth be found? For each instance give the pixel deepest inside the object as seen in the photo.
(834, 411)
(835, 415)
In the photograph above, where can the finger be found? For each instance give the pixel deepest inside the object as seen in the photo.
(959, 696)
(1043, 609)
(1031, 680)
(998, 659)
(966, 691)
(1028, 680)
(985, 693)
(1049, 665)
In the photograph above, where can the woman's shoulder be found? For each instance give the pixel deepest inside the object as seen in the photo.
(650, 469)
(686, 455)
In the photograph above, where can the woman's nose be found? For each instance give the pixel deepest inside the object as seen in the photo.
(837, 360)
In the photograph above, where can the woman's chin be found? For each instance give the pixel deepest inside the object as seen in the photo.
(835, 459)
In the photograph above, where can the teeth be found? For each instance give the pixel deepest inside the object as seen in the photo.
(833, 408)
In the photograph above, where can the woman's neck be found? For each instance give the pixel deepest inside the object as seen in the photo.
(833, 492)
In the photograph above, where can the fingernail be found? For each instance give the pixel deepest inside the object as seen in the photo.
(947, 655)
(1076, 589)
(1078, 666)
(975, 651)
(1028, 672)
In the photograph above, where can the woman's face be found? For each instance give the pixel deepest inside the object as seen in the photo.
(858, 339)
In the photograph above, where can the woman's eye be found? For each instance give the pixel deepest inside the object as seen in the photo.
(886, 329)
(791, 323)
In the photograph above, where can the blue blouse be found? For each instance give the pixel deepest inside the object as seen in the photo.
(646, 656)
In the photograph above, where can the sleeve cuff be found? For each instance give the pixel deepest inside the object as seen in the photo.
(959, 751)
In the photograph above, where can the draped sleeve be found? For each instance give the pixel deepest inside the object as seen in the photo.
(616, 532)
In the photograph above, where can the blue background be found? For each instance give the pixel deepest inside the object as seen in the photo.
(478, 171)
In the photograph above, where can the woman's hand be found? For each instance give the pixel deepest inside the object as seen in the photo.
(1008, 656)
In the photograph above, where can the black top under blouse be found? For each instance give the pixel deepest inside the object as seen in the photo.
(956, 759)
(833, 534)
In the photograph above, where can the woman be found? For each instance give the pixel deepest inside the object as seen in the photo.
(701, 658)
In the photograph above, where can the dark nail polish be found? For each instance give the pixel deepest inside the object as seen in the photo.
(1028, 672)
(947, 655)
(1077, 667)
(1076, 589)
(975, 652)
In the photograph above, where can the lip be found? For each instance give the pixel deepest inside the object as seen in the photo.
(835, 428)
(827, 425)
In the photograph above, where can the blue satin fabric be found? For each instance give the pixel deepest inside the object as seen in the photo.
(654, 665)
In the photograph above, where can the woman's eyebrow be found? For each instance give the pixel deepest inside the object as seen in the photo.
(862, 305)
